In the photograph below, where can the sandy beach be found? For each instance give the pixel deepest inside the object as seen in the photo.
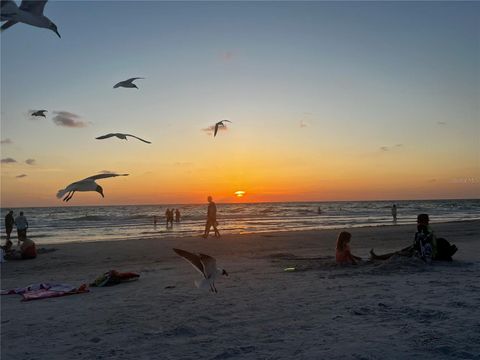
(397, 309)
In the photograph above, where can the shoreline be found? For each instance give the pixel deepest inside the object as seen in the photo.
(260, 233)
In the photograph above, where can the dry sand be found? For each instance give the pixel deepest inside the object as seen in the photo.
(398, 309)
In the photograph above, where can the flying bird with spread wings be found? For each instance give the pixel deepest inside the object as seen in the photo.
(87, 184)
(205, 265)
(39, 113)
(29, 12)
(127, 83)
(121, 136)
(220, 123)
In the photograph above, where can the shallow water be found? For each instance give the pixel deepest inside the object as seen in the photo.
(51, 225)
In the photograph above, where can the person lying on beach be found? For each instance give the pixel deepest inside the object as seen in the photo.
(343, 255)
(426, 245)
(27, 251)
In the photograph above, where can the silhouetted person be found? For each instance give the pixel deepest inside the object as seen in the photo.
(211, 218)
(177, 215)
(394, 213)
(9, 222)
(167, 216)
(22, 226)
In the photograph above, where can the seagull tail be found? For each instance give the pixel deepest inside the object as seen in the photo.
(61, 193)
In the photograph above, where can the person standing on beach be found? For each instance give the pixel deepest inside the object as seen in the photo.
(177, 215)
(394, 213)
(22, 226)
(167, 215)
(9, 222)
(211, 218)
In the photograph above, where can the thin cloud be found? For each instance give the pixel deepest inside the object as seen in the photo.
(432, 180)
(441, 123)
(30, 162)
(107, 172)
(303, 124)
(8, 161)
(68, 119)
(227, 56)
(211, 129)
(21, 176)
(6, 142)
(390, 148)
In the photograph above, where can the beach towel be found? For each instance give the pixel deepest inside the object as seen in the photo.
(45, 290)
(113, 277)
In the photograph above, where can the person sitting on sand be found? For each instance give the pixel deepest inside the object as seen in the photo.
(27, 251)
(343, 255)
(425, 245)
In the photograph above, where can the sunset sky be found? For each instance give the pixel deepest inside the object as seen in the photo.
(328, 101)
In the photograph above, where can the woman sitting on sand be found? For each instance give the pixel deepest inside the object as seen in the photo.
(28, 250)
(343, 255)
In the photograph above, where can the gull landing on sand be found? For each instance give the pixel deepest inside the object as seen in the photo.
(206, 265)
(87, 184)
(29, 12)
(39, 113)
(127, 83)
(220, 123)
(121, 136)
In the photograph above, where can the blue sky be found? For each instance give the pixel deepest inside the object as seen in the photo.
(361, 76)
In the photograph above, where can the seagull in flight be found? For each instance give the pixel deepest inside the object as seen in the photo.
(29, 12)
(220, 123)
(87, 184)
(39, 113)
(206, 265)
(121, 136)
(127, 83)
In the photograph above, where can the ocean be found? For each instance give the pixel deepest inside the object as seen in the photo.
(53, 225)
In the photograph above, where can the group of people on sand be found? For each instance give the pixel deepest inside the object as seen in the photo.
(425, 246)
(25, 247)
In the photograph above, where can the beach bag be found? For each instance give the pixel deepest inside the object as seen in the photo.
(445, 250)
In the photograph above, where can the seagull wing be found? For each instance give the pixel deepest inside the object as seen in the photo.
(103, 176)
(216, 129)
(136, 137)
(105, 136)
(33, 6)
(8, 24)
(209, 265)
(227, 121)
(192, 259)
(133, 79)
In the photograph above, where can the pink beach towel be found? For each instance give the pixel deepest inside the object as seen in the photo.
(44, 291)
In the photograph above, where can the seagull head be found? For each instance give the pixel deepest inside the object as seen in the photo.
(99, 189)
(53, 27)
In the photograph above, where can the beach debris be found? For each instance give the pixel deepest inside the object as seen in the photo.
(87, 184)
(205, 265)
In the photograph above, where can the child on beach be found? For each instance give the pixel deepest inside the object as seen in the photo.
(343, 255)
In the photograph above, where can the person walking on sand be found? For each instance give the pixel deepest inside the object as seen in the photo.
(211, 218)
(22, 226)
(177, 215)
(9, 222)
(394, 213)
